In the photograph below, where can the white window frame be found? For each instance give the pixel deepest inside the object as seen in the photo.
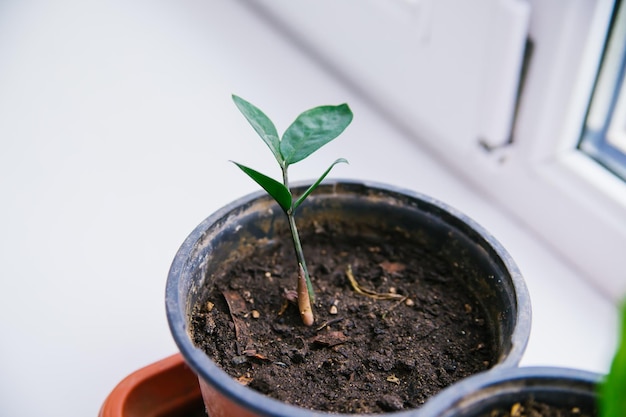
(569, 200)
(577, 205)
(574, 204)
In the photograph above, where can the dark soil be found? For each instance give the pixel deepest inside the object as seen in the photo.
(532, 408)
(372, 356)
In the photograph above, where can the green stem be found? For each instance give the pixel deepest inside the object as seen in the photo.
(300, 255)
(296, 242)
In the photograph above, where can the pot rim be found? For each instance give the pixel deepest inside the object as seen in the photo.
(203, 366)
(501, 381)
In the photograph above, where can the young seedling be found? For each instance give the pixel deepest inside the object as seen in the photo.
(613, 389)
(310, 131)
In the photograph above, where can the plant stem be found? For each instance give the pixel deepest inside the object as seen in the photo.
(300, 255)
(306, 295)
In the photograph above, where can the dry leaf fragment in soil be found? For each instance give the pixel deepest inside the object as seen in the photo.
(370, 293)
(392, 267)
(237, 308)
(330, 339)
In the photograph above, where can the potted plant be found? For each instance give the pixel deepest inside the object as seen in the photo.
(406, 294)
(537, 391)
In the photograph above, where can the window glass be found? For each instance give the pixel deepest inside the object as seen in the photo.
(604, 135)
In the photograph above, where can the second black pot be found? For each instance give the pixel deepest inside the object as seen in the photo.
(506, 389)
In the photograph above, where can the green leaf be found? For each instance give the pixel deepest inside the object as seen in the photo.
(313, 129)
(314, 186)
(262, 124)
(278, 191)
(613, 388)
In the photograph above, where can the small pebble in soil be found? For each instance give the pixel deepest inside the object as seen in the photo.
(238, 360)
(390, 402)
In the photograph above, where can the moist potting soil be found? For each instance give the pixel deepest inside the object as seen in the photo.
(419, 330)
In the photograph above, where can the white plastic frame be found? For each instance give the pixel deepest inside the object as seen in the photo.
(584, 206)
(570, 201)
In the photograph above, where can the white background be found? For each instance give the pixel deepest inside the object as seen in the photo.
(116, 127)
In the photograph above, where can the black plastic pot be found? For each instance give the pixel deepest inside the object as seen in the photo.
(480, 394)
(364, 208)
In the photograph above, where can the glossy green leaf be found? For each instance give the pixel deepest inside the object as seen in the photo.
(313, 129)
(314, 185)
(262, 125)
(613, 388)
(278, 191)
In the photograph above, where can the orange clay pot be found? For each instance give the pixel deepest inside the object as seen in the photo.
(167, 388)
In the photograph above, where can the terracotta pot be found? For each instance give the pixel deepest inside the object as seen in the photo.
(167, 388)
(493, 277)
(501, 389)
